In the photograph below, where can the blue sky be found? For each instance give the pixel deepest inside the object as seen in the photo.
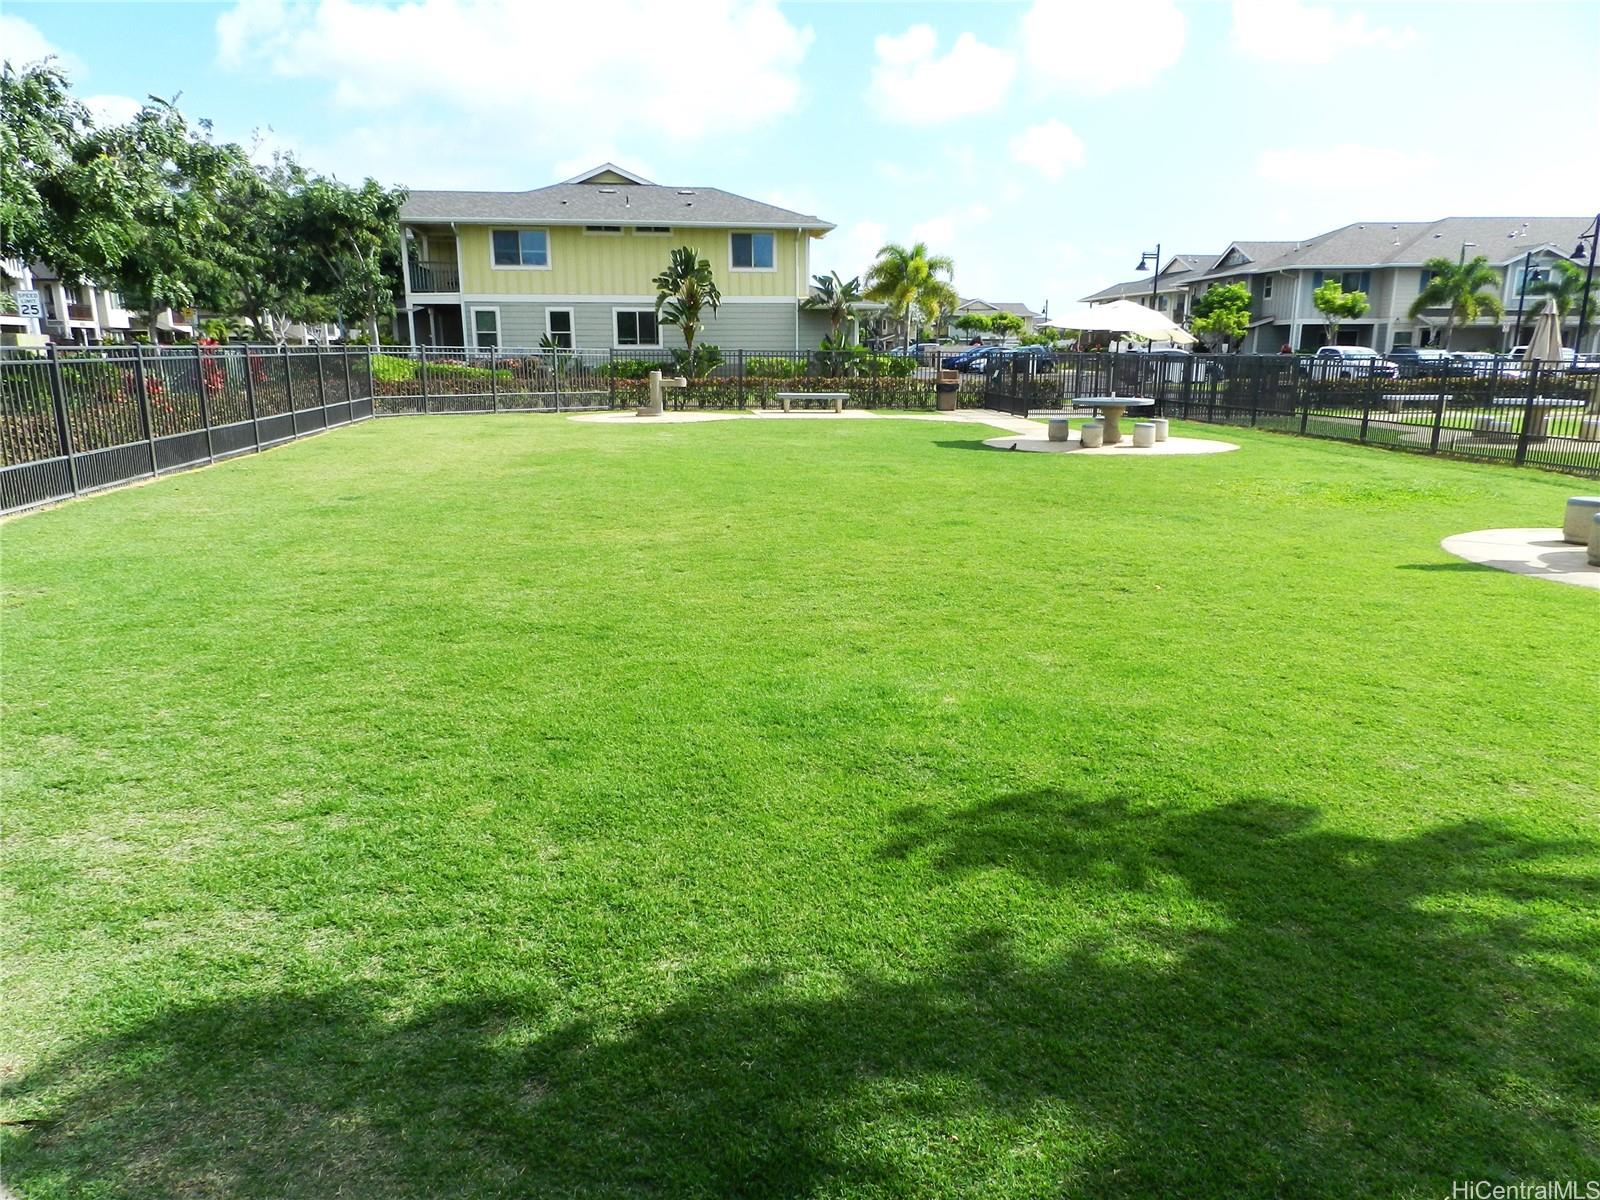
(1042, 144)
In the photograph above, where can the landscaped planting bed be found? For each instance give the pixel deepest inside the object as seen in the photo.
(515, 807)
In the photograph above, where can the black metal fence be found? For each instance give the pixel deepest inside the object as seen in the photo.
(81, 419)
(435, 379)
(1499, 411)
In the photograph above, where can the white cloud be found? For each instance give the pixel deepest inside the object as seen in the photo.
(112, 110)
(1317, 169)
(1093, 47)
(21, 44)
(1049, 148)
(849, 249)
(557, 76)
(1291, 31)
(914, 85)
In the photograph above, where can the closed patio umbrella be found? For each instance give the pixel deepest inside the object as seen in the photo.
(1124, 316)
(1545, 346)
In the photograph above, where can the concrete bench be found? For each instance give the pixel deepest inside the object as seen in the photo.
(1493, 429)
(837, 399)
(1579, 519)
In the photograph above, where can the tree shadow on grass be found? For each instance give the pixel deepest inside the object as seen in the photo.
(1273, 1008)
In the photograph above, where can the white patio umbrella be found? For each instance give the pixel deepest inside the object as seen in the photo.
(1545, 345)
(1124, 316)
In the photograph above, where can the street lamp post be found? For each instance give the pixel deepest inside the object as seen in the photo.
(1592, 236)
(1147, 257)
(1522, 296)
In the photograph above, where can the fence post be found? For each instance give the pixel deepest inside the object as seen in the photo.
(494, 383)
(422, 372)
(322, 389)
(59, 403)
(250, 399)
(1366, 413)
(288, 390)
(205, 409)
(611, 376)
(1524, 434)
(557, 379)
(1438, 420)
(349, 392)
(144, 405)
(738, 376)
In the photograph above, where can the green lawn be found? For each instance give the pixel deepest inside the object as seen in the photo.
(513, 807)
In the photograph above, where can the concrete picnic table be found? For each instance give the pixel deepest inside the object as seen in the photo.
(1539, 409)
(1113, 408)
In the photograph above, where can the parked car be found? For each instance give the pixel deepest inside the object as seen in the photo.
(1472, 363)
(1031, 360)
(1348, 362)
(1413, 361)
(1175, 362)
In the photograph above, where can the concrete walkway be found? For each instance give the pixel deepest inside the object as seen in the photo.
(963, 416)
(1537, 552)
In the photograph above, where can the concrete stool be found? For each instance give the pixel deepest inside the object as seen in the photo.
(1161, 428)
(1093, 434)
(1144, 434)
(1580, 512)
(1594, 542)
(1060, 429)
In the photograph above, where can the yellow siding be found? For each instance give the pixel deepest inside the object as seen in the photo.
(608, 265)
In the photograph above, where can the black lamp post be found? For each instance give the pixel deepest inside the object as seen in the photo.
(1146, 258)
(1522, 296)
(1592, 236)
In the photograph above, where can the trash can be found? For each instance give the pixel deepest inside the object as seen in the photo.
(947, 387)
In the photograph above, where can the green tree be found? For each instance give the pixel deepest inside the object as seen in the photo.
(972, 323)
(1006, 325)
(1564, 288)
(912, 283)
(1460, 289)
(1337, 306)
(347, 237)
(1221, 314)
(835, 297)
(683, 292)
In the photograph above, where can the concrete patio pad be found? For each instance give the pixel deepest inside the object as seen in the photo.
(1537, 552)
(666, 418)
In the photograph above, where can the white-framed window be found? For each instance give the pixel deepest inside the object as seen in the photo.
(1266, 287)
(653, 230)
(753, 251)
(636, 328)
(603, 230)
(485, 328)
(525, 249)
(559, 327)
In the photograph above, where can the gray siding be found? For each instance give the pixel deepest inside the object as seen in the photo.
(763, 327)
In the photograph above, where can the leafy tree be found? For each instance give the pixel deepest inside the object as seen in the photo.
(1459, 289)
(347, 236)
(1564, 289)
(837, 298)
(972, 323)
(1337, 306)
(911, 282)
(683, 292)
(1221, 315)
(1006, 325)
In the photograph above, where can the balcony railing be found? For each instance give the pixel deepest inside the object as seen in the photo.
(434, 276)
(80, 312)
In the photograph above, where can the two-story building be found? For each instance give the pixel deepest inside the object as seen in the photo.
(1384, 260)
(985, 308)
(1167, 291)
(572, 265)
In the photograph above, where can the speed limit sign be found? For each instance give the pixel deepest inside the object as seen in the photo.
(30, 304)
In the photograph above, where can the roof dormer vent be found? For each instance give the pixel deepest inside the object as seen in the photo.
(685, 192)
(608, 191)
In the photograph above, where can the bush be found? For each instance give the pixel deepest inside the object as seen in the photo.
(775, 368)
(386, 368)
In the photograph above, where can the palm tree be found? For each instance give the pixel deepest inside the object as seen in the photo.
(1564, 289)
(683, 292)
(910, 280)
(837, 298)
(1459, 288)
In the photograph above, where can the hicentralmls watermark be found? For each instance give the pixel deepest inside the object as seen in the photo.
(1530, 1189)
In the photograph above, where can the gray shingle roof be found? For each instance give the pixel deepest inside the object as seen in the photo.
(604, 204)
(1011, 306)
(1180, 269)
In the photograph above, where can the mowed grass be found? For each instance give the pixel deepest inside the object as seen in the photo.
(513, 807)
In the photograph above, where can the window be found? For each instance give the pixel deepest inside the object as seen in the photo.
(521, 248)
(653, 230)
(752, 252)
(1356, 281)
(1424, 281)
(637, 327)
(613, 230)
(1402, 337)
(1266, 287)
(558, 325)
(486, 328)
(1536, 275)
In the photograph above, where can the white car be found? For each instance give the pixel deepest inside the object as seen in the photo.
(1348, 362)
